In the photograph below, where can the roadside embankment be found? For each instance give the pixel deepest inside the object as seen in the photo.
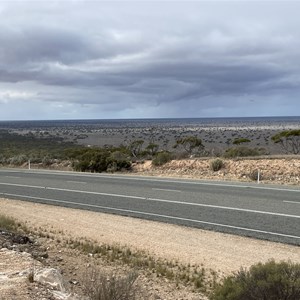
(272, 170)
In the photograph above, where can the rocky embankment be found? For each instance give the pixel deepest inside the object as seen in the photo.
(24, 273)
(277, 170)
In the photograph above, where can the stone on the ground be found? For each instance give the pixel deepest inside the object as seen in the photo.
(50, 276)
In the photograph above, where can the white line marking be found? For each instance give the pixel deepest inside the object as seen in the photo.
(294, 202)
(73, 181)
(13, 177)
(224, 207)
(166, 190)
(158, 215)
(66, 173)
(157, 200)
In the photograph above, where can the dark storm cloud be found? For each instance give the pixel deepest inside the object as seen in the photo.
(35, 44)
(127, 58)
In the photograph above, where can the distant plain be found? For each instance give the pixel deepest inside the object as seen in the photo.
(216, 134)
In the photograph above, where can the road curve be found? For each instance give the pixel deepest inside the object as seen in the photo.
(261, 211)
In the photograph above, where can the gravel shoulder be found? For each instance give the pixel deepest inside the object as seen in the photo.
(221, 252)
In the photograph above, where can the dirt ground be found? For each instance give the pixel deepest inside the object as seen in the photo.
(223, 253)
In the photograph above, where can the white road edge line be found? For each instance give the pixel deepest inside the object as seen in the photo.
(65, 173)
(158, 215)
(156, 200)
(166, 190)
(73, 181)
(294, 202)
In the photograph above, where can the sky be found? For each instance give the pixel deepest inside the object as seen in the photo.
(148, 59)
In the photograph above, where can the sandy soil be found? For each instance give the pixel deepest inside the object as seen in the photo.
(221, 252)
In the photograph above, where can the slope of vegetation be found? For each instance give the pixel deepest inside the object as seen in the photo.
(17, 149)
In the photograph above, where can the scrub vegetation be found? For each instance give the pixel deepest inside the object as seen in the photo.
(47, 148)
(7, 223)
(272, 281)
(17, 149)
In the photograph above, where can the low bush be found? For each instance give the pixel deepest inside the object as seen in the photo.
(216, 164)
(118, 161)
(98, 285)
(99, 159)
(7, 223)
(18, 160)
(192, 275)
(269, 281)
(161, 158)
(91, 160)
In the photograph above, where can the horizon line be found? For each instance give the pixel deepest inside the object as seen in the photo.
(140, 119)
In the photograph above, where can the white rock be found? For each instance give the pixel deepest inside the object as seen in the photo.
(51, 277)
(64, 296)
(3, 277)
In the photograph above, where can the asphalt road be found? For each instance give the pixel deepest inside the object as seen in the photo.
(261, 211)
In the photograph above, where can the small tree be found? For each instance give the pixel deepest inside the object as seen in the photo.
(190, 144)
(289, 140)
(152, 148)
(240, 141)
(135, 147)
(151, 134)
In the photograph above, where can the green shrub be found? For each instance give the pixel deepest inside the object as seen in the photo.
(216, 164)
(269, 281)
(239, 141)
(118, 161)
(99, 159)
(91, 160)
(152, 148)
(161, 158)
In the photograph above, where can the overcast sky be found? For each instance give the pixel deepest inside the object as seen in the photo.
(121, 59)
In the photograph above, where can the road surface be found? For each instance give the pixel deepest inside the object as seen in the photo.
(261, 211)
